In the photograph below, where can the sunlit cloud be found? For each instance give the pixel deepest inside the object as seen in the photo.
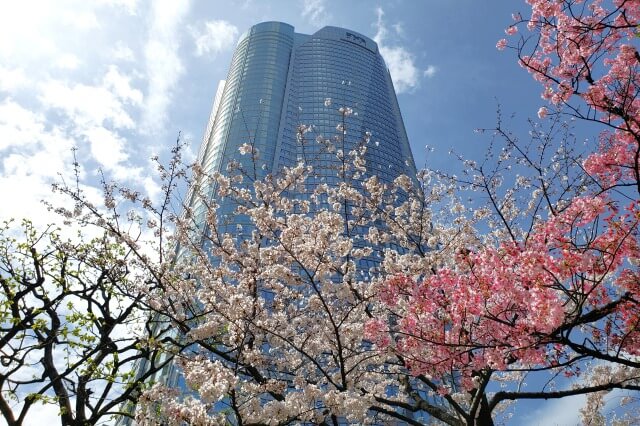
(315, 12)
(401, 62)
(214, 37)
(67, 61)
(12, 79)
(163, 65)
(122, 52)
(430, 71)
(34, 154)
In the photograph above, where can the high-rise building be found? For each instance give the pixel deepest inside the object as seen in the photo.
(280, 80)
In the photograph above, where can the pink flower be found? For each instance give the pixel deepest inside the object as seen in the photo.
(501, 44)
(542, 113)
(376, 330)
(511, 30)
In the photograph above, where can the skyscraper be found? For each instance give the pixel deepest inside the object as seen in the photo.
(280, 80)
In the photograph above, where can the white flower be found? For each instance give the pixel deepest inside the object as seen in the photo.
(245, 148)
(345, 111)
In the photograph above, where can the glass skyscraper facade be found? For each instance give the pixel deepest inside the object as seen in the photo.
(280, 80)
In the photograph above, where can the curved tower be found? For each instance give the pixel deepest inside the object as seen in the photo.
(280, 79)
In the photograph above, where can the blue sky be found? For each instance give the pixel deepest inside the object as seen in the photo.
(117, 79)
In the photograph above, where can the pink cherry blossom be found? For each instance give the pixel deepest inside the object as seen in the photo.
(511, 30)
(512, 303)
(542, 113)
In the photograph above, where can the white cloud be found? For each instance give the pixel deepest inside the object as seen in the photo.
(19, 127)
(130, 6)
(96, 115)
(25, 30)
(315, 11)
(33, 30)
(120, 85)
(215, 37)
(401, 65)
(430, 71)
(401, 62)
(78, 18)
(47, 107)
(99, 105)
(12, 79)
(107, 147)
(43, 414)
(163, 66)
(565, 411)
(122, 52)
(86, 105)
(42, 164)
(152, 188)
(33, 154)
(67, 61)
(398, 28)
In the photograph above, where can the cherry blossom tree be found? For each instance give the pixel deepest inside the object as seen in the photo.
(551, 290)
(267, 285)
(272, 298)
